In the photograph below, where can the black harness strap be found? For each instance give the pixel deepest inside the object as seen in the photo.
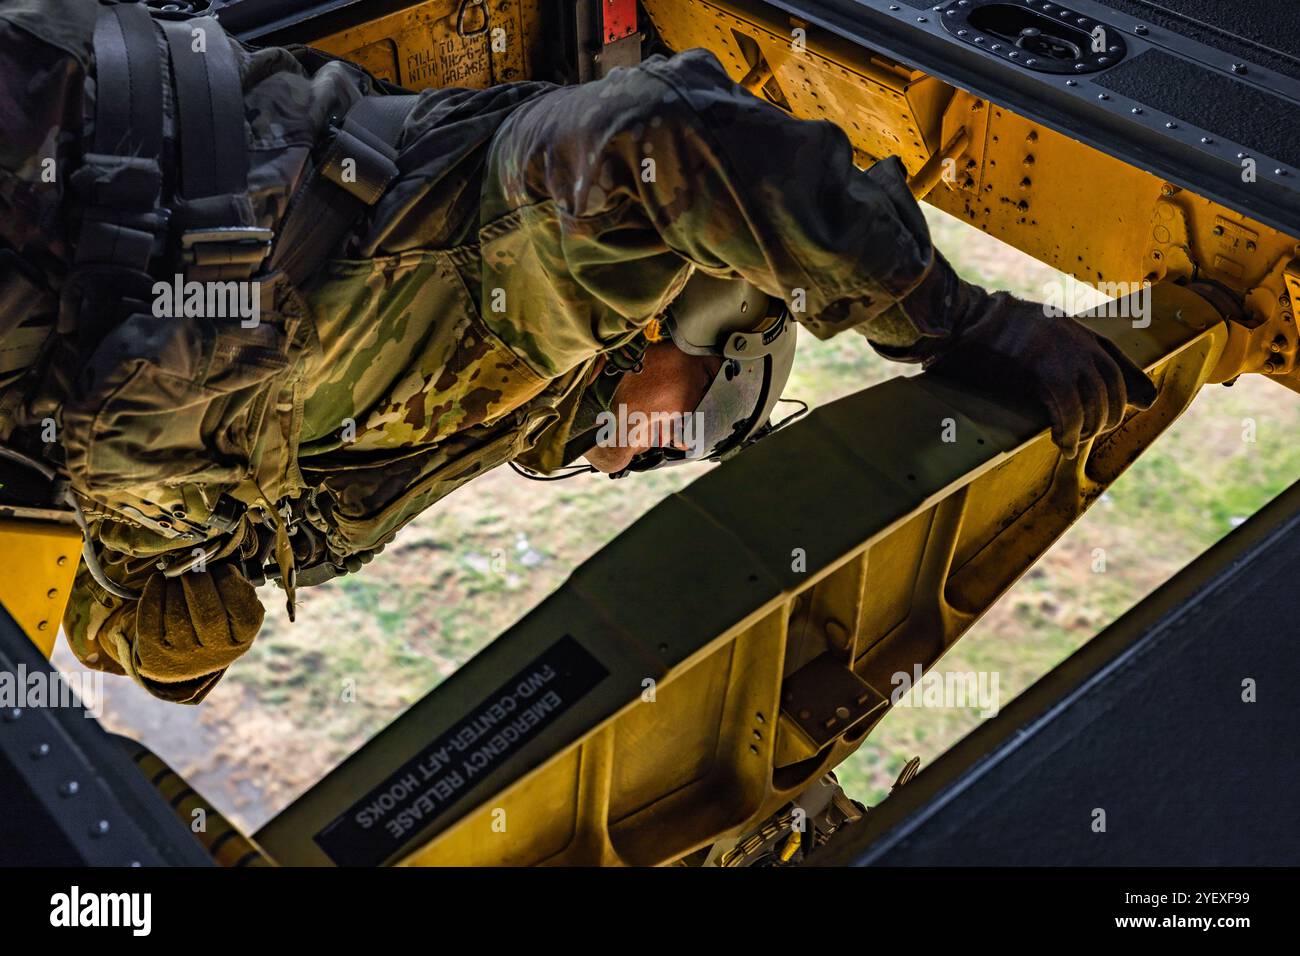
(218, 234)
(120, 180)
(214, 155)
(129, 118)
(350, 176)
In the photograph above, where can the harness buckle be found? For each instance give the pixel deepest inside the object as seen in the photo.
(226, 246)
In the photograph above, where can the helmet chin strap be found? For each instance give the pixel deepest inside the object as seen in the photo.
(646, 461)
(575, 470)
(572, 472)
(597, 398)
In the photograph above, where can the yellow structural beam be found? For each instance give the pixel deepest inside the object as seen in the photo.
(38, 560)
(748, 629)
(1109, 224)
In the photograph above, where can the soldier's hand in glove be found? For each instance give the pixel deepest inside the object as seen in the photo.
(1001, 343)
(183, 633)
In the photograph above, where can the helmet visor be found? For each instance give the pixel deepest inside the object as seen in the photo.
(726, 412)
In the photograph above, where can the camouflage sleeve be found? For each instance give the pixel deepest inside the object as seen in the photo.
(597, 198)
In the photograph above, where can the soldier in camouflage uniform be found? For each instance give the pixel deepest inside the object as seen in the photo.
(459, 323)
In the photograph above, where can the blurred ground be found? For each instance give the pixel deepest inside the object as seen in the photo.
(471, 566)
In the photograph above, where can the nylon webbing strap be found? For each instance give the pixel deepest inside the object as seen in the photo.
(128, 101)
(353, 173)
(369, 136)
(120, 180)
(214, 154)
(218, 233)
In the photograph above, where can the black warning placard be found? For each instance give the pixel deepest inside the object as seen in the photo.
(416, 794)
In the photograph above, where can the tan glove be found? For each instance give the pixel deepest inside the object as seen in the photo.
(186, 631)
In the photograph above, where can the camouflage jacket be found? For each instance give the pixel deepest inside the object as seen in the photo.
(368, 387)
(531, 228)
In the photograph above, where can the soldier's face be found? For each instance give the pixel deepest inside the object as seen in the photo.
(670, 384)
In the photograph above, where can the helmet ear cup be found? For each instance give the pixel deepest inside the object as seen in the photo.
(708, 310)
(754, 333)
(781, 363)
(737, 407)
(777, 364)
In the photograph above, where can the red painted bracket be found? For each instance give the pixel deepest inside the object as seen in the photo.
(618, 19)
